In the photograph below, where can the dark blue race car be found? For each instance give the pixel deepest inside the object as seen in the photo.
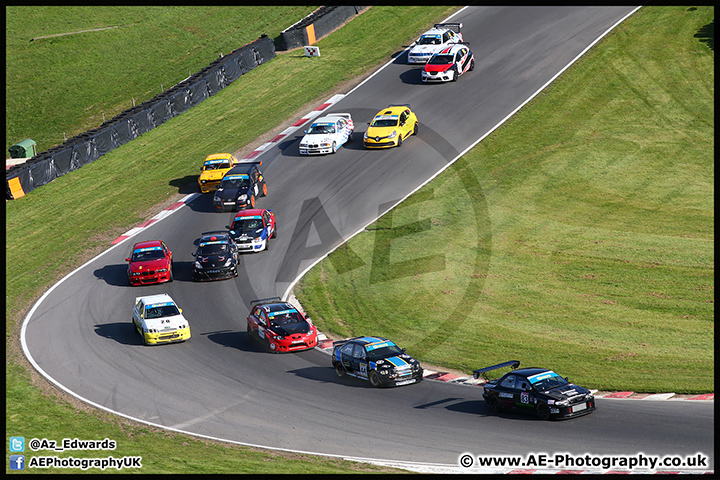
(377, 360)
(239, 188)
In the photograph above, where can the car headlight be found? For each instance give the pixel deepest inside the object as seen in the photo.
(203, 181)
(162, 270)
(365, 135)
(229, 262)
(561, 403)
(257, 240)
(135, 274)
(217, 199)
(393, 134)
(242, 198)
(198, 264)
(384, 372)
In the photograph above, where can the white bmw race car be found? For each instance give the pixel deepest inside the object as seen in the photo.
(441, 36)
(327, 134)
(158, 319)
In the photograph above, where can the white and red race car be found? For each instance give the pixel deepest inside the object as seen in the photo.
(448, 64)
(437, 38)
(327, 134)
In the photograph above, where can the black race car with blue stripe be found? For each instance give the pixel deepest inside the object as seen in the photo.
(376, 359)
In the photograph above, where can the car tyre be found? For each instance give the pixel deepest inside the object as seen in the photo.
(334, 147)
(495, 404)
(170, 275)
(350, 137)
(339, 370)
(264, 190)
(415, 128)
(374, 379)
(399, 144)
(454, 75)
(252, 201)
(543, 411)
(274, 234)
(472, 64)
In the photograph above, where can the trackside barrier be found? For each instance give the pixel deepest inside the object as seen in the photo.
(316, 25)
(133, 122)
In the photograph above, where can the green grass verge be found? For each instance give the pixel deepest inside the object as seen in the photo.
(56, 228)
(579, 236)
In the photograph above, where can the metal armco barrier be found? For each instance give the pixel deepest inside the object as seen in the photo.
(316, 25)
(131, 123)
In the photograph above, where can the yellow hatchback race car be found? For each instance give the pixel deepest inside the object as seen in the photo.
(390, 127)
(214, 168)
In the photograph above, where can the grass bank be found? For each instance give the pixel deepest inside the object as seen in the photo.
(579, 236)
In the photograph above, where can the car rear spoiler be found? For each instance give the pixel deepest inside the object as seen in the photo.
(257, 162)
(482, 371)
(450, 25)
(264, 300)
(215, 231)
(344, 115)
(399, 105)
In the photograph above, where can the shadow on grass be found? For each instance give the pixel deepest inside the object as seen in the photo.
(706, 35)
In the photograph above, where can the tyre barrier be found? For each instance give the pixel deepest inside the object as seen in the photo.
(316, 25)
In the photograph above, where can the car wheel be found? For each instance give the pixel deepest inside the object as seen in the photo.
(472, 64)
(415, 129)
(248, 330)
(495, 404)
(374, 379)
(264, 189)
(350, 137)
(252, 201)
(267, 244)
(454, 75)
(399, 144)
(339, 370)
(274, 234)
(543, 412)
(334, 148)
(170, 275)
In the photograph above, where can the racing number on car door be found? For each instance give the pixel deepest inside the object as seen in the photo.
(359, 363)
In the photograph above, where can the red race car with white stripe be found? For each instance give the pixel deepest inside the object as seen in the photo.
(448, 64)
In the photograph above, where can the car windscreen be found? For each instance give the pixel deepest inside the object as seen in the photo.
(547, 381)
(247, 224)
(322, 129)
(429, 40)
(384, 122)
(241, 183)
(281, 319)
(440, 59)
(161, 311)
(143, 255)
(212, 249)
(215, 165)
(383, 352)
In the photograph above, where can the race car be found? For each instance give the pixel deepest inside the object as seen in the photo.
(240, 186)
(150, 262)
(390, 127)
(437, 38)
(448, 64)
(535, 390)
(159, 320)
(376, 359)
(252, 229)
(280, 326)
(216, 257)
(213, 169)
(327, 134)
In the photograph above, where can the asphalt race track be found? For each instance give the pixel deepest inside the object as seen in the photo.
(222, 385)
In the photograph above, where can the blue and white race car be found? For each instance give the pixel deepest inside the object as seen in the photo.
(441, 36)
(327, 134)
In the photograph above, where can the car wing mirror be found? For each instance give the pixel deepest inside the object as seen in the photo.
(127, 259)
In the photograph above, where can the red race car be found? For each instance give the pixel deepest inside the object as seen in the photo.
(252, 229)
(448, 64)
(150, 262)
(280, 326)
